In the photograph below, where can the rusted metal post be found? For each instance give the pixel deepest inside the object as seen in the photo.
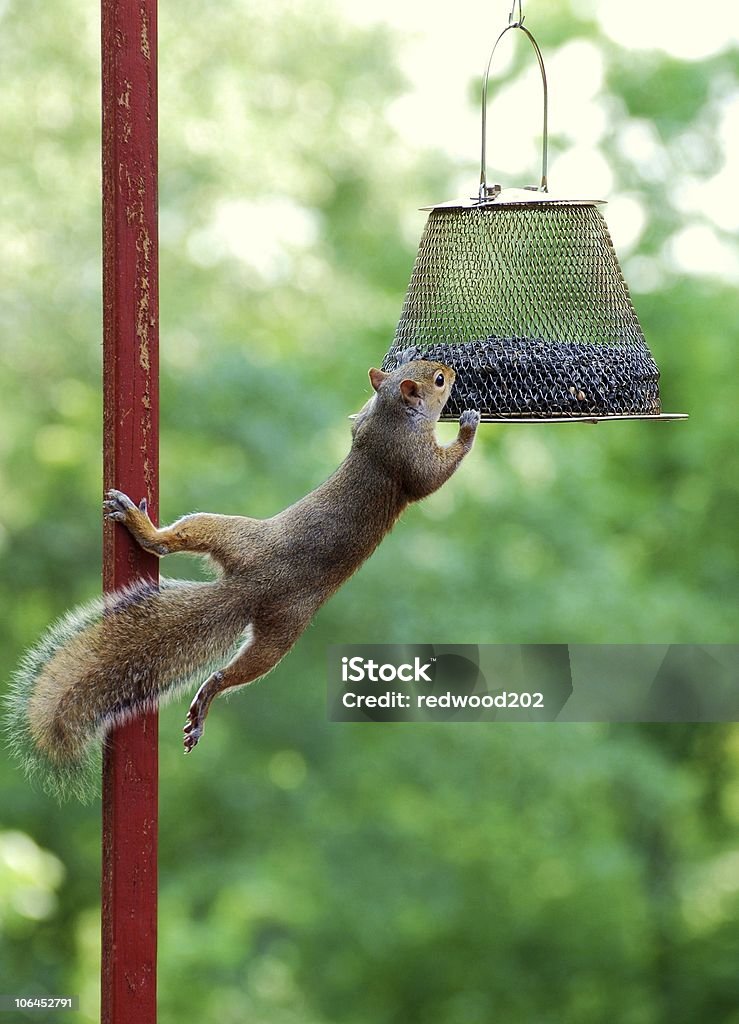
(131, 420)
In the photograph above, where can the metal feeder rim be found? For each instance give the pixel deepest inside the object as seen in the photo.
(514, 197)
(575, 419)
(564, 419)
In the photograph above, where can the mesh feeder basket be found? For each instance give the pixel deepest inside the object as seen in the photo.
(522, 294)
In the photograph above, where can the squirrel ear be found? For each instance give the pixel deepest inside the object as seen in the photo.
(377, 377)
(411, 393)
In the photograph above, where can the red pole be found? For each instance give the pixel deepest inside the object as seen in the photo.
(131, 428)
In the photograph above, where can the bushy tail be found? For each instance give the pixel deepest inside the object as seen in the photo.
(107, 661)
(75, 779)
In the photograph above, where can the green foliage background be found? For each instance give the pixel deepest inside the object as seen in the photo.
(314, 873)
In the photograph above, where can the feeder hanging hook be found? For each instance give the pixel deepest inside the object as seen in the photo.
(512, 20)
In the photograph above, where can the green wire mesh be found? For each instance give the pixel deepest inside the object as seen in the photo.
(528, 304)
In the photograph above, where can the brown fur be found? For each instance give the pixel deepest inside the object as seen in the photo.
(276, 573)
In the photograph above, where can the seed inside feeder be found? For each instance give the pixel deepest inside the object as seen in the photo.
(525, 377)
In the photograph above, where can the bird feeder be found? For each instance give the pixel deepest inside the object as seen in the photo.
(521, 293)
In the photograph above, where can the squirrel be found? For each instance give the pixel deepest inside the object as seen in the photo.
(127, 651)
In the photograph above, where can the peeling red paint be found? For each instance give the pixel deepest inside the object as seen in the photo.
(145, 48)
(131, 424)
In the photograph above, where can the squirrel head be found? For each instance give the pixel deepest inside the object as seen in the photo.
(421, 387)
(417, 392)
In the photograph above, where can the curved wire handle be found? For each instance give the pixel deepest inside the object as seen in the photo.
(487, 191)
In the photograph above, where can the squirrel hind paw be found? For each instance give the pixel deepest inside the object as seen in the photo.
(118, 506)
(193, 731)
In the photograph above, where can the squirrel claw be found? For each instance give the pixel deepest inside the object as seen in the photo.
(193, 731)
(111, 510)
(191, 740)
(119, 498)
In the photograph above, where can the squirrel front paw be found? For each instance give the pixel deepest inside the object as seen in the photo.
(468, 424)
(470, 418)
(469, 421)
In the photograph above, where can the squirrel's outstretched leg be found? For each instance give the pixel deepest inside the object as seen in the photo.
(254, 659)
(429, 473)
(452, 454)
(462, 443)
(201, 532)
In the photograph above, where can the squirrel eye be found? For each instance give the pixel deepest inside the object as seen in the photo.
(440, 380)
